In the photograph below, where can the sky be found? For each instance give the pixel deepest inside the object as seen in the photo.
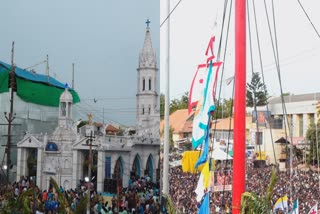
(192, 24)
(103, 39)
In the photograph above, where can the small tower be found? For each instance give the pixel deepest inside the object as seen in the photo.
(65, 109)
(147, 114)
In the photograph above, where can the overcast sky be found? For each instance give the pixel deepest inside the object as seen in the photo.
(103, 39)
(192, 25)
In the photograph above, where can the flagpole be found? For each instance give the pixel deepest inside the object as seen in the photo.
(239, 106)
(165, 176)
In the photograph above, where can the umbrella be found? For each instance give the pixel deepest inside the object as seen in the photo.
(282, 140)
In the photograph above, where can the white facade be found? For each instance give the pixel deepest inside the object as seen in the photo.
(62, 154)
(301, 111)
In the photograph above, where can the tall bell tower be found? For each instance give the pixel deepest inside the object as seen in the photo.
(148, 108)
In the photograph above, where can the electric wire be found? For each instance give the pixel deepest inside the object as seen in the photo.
(168, 16)
(305, 12)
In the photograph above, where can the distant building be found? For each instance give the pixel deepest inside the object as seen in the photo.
(301, 110)
(64, 154)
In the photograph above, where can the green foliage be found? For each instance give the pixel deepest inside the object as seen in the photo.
(181, 103)
(252, 204)
(224, 108)
(21, 204)
(82, 123)
(313, 135)
(256, 91)
(82, 205)
(162, 100)
(63, 201)
(171, 142)
(170, 206)
(175, 104)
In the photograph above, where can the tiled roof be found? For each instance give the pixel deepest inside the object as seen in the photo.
(111, 128)
(224, 124)
(177, 120)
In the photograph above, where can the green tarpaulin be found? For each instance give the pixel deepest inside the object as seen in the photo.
(40, 93)
(4, 80)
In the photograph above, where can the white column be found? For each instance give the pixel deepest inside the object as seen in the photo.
(23, 162)
(126, 171)
(306, 123)
(76, 161)
(39, 167)
(19, 164)
(295, 124)
(101, 171)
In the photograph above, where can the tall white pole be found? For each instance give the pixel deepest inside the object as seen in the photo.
(165, 178)
(317, 150)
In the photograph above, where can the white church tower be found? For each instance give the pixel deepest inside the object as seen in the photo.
(148, 113)
(65, 109)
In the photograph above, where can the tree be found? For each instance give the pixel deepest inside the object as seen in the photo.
(224, 108)
(175, 104)
(162, 100)
(312, 136)
(256, 91)
(171, 142)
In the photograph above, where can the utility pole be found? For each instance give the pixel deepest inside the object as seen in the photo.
(89, 143)
(72, 75)
(47, 69)
(9, 117)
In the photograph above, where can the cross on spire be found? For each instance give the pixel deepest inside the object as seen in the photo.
(148, 22)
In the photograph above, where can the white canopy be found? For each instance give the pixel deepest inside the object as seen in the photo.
(218, 154)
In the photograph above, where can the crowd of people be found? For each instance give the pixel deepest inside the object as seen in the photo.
(303, 185)
(140, 197)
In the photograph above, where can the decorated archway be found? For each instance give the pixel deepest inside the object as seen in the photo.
(118, 169)
(149, 167)
(136, 169)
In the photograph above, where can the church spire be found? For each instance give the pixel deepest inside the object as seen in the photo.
(147, 55)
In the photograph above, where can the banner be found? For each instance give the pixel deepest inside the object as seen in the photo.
(221, 181)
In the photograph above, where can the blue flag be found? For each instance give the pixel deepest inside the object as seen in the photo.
(204, 207)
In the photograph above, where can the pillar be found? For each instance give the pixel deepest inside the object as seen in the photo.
(100, 171)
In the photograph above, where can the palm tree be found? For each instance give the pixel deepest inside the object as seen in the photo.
(21, 204)
(64, 204)
(252, 204)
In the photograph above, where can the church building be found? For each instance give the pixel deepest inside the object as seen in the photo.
(64, 154)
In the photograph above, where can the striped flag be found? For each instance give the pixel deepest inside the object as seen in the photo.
(314, 209)
(281, 203)
(205, 107)
(295, 208)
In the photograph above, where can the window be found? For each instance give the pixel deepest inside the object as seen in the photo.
(108, 167)
(69, 109)
(149, 109)
(143, 84)
(63, 109)
(149, 84)
(142, 109)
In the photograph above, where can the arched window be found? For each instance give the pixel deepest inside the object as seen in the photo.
(149, 84)
(69, 109)
(63, 109)
(143, 84)
(149, 109)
